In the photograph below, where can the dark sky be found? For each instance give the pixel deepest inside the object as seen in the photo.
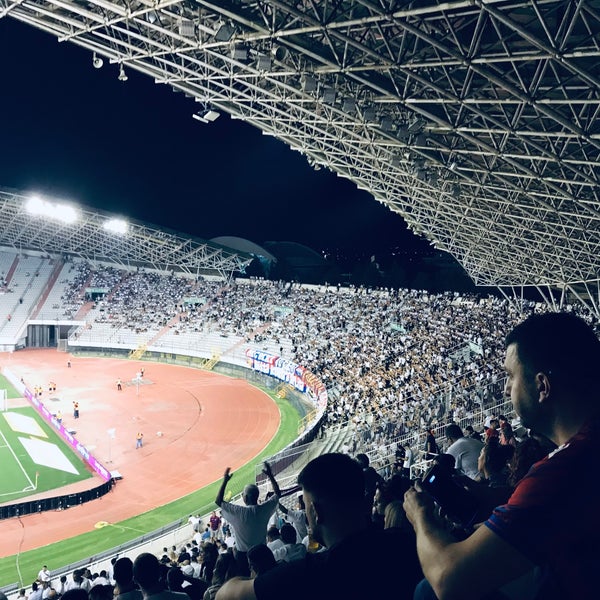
(132, 147)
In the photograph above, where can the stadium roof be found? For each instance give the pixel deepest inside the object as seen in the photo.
(88, 238)
(476, 120)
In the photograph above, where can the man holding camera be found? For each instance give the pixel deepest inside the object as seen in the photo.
(550, 525)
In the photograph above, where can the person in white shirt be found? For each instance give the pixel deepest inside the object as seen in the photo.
(291, 550)
(36, 591)
(464, 450)
(102, 579)
(274, 541)
(43, 575)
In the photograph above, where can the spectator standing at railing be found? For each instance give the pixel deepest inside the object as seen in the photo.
(464, 450)
(297, 517)
(359, 562)
(409, 459)
(431, 448)
(550, 524)
(250, 521)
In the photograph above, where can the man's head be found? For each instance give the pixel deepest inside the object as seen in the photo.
(551, 359)
(288, 534)
(250, 494)
(334, 490)
(362, 460)
(123, 571)
(146, 572)
(453, 432)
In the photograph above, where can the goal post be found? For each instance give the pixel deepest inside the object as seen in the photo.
(62, 345)
(3, 401)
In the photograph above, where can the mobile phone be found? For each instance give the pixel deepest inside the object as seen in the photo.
(457, 502)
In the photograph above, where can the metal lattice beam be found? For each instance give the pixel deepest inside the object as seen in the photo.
(476, 120)
(140, 246)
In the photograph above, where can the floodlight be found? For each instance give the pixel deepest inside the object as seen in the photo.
(239, 53)
(309, 83)
(59, 212)
(349, 105)
(116, 226)
(97, 61)
(386, 123)
(329, 95)
(224, 33)
(187, 28)
(122, 74)
(370, 114)
(263, 62)
(279, 52)
(416, 125)
(207, 115)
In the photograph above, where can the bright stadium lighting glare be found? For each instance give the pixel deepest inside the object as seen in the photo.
(60, 212)
(116, 226)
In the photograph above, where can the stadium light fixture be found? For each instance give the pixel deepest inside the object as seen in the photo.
(122, 74)
(58, 212)
(118, 226)
(97, 61)
(206, 116)
(224, 33)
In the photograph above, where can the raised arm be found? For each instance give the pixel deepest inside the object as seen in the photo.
(226, 477)
(269, 473)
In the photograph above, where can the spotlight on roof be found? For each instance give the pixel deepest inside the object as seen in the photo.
(97, 61)
(309, 83)
(329, 94)
(279, 52)
(207, 115)
(349, 105)
(122, 74)
(58, 212)
(263, 62)
(224, 33)
(116, 226)
(239, 53)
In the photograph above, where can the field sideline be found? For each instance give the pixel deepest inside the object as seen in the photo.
(34, 458)
(23, 567)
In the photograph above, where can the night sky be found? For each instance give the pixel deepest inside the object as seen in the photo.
(132, 147)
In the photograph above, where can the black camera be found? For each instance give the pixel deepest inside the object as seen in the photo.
(457, 502)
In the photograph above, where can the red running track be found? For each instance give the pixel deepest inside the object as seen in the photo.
(208, 422)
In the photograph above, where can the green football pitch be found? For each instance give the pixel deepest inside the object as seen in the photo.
(11, 392)
(34, 458)
(23, 567)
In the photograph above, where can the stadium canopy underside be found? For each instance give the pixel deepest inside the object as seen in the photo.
(476, 120)
(89, 238)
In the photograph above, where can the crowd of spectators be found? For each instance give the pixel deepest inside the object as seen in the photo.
(393, 361)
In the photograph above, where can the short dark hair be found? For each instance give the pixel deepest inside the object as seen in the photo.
(75, 594)
(334, 477)
(123, 570)
(561, 345)
(454, 431)
(288, 534)
(261, 559)
(146, 570)
(362, 460)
